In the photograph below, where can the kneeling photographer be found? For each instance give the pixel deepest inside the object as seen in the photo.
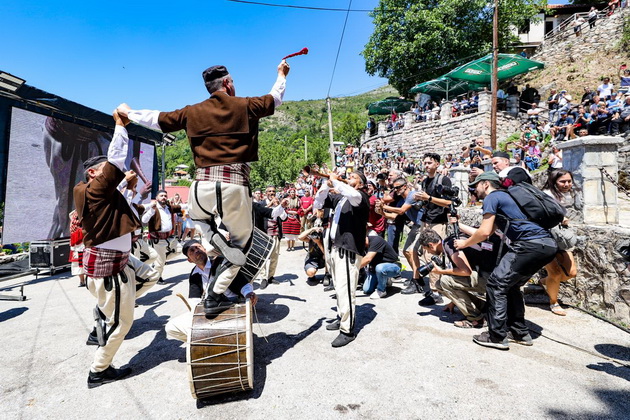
(463, 272)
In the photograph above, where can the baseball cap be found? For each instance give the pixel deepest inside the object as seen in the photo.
(485, 176)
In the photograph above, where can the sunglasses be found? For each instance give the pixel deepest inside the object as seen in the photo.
(399, 187)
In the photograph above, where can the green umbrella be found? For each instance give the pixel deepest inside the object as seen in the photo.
(480, 70)
(388, 106)
(445, 87)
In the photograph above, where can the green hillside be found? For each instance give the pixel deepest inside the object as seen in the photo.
(281, 151)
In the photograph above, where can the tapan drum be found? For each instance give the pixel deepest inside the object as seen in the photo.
(220, 352)
(257, 254)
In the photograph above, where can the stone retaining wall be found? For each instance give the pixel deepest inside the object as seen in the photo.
(603, 37)
(446, 136)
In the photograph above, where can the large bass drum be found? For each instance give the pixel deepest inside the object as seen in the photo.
(220, 352)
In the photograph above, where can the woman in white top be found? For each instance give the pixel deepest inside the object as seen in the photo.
(559, 186)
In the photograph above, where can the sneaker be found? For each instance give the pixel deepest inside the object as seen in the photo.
(485, 340)
(161, 281)
(327, 278)
(334, 326)
(377, 294)
(525, 340)
(413, 287)
(431, 299)
(343, 339)
(108, 375)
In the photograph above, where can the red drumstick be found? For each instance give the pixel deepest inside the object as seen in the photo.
(301, 52)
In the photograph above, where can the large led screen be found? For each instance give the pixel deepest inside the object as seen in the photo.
(46, 158)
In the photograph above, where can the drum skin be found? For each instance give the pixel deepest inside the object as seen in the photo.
(220, 352)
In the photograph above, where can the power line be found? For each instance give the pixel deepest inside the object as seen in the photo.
(327, 9)
(343, 31)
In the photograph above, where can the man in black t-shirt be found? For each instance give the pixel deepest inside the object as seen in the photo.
(531, 248)
(383, 263)
(435, 218)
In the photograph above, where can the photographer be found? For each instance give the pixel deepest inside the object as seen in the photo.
(315, 252)
(476, 148)
(434, 216)
(464, 275)
(414, 214)
(531, 248)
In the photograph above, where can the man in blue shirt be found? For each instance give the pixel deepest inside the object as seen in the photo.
(531, 247)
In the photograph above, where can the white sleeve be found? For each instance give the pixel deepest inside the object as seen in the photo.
(122, 185)
(278, 211)
(117, 151)
(353, 196)
(247, 289)
(148, 214)
(320, 197)
(277, 91)
(145, 117)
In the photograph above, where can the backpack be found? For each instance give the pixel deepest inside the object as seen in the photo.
(539, 207)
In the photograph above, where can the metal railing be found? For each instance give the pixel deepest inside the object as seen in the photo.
(563, 29)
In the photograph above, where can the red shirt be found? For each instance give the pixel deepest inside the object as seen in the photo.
(377, 221)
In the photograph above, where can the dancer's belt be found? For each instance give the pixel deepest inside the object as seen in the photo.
(235, 173)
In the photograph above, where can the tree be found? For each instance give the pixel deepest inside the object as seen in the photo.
(349, 129)
(418, 40)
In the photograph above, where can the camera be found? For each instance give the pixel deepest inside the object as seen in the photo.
(424, 270)
(472, 145)
(449, 193)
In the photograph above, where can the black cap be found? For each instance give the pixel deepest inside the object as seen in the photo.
(213, 73)
(93, 161)
(188, 244)
(501, 154)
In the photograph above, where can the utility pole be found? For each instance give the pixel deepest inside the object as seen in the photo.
(330, 134)
(495, 80)
(163, 164)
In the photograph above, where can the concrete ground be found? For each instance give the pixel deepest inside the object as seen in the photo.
(407, 361)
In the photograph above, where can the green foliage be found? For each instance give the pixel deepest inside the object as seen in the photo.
(183, 183)
(417, 40)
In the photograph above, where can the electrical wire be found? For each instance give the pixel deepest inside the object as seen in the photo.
(343, 31)
(327, 9)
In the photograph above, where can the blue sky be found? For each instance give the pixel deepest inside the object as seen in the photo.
(151, 54)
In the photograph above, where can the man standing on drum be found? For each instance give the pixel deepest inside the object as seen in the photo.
(223, 135)
(347, 234)
(178, 328)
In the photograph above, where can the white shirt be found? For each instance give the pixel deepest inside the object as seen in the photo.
(165, 217)
(149, 118)
(205, 281)
(605, 89)
(116, 155)
(349, 194)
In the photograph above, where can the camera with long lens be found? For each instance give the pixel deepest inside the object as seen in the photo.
(449, 193)
(424, 270)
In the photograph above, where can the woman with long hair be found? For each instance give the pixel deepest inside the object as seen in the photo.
(291, 226)
(560, 186)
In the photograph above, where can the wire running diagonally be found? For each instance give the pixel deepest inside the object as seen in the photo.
(343, 31)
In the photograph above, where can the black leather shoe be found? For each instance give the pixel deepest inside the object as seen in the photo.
(214, 305)
(230, 252)
(333, 326)
(343, 339)
(413, 287)
(264, 283)
(108, 375)
(161, 281)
